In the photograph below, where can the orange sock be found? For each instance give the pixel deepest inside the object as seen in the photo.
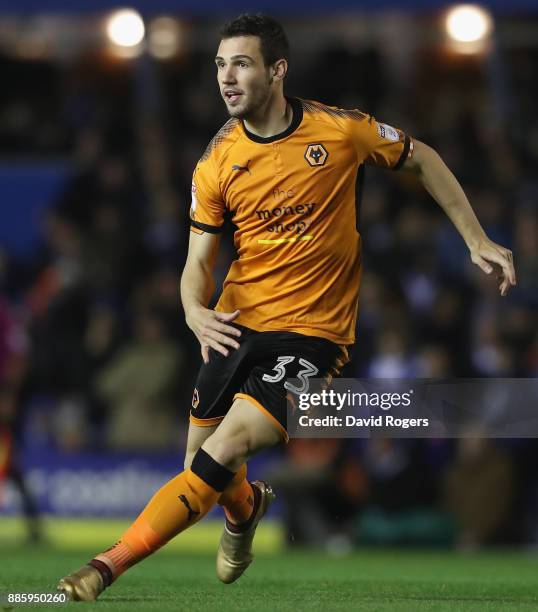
(238, 498)
(177, 505)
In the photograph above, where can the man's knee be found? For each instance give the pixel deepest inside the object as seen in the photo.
(227, 452)
(243, 433)
(197, 436)
(230, 451)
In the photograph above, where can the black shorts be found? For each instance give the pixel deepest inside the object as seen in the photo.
(260, 370)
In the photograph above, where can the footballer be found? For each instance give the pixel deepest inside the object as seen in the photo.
(285, 170)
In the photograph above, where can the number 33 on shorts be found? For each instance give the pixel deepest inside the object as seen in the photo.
(309, 370)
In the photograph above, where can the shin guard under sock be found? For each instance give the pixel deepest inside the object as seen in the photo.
(180, 503)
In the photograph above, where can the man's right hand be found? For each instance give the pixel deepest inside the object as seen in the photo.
(211, 330)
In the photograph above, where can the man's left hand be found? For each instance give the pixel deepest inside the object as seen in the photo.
(485, 253)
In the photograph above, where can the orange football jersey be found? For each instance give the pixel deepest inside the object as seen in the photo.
(293, 199)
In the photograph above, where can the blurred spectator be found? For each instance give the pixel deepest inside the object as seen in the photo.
(400, 508)
(323, 486)
(392, 359)
(479, 491)
(138, 387)
(526, 246)
(13, 371)
(433, 361)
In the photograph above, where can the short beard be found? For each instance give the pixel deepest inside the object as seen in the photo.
(258, 101)
(239, 113)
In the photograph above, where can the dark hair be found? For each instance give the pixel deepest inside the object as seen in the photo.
(274, 43)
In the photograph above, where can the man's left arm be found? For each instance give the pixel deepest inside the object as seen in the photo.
(444, 188)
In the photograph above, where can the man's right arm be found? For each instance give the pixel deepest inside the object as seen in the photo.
(197, 287)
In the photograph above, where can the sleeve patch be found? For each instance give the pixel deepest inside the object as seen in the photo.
(387, 132)
(194, 201)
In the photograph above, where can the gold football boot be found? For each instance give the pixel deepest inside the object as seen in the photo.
(235, 549)
(85, 585)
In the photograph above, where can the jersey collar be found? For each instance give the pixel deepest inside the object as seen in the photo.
(297, 109)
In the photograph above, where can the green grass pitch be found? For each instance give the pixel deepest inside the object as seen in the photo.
(181, 576)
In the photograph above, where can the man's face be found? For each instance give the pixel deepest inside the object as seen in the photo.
(244, 80)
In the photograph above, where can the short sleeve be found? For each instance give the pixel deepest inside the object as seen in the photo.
(207, 205)
(379, 144)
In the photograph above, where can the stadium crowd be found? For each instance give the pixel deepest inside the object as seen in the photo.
(93, 320)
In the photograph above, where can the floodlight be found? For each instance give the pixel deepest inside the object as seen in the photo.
(468, 23)
(125, 28)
